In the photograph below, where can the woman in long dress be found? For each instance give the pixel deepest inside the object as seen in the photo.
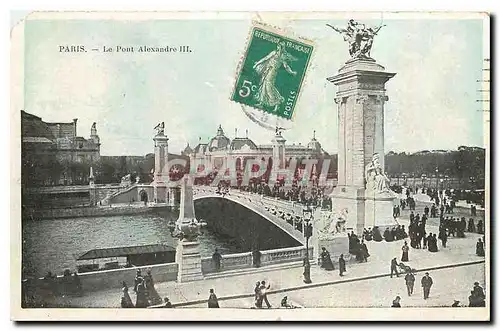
(212, 300)
(326, 261)
(267, 94)
(153, 295)
(142, 296)
(405, 249)
(126, 301)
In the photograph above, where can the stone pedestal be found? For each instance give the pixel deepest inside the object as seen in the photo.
(351, 199)
(336, 244)
(188, 258)
(360, 103)
(379, 212)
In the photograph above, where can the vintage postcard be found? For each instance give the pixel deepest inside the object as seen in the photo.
(278, 166)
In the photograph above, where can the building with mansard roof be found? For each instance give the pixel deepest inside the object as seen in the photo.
(53, 153)
(223, 150)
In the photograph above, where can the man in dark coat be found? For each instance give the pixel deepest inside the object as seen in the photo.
(477, 298)
(394, 267)
(364, 248)
(410, 282)
(479, 248)
(426, 284)
(263, 292)
(471, 227)
(256, 255)
(342, 268)
(216, 258)
(480, 228)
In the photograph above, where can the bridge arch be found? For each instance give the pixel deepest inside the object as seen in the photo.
(253, 206)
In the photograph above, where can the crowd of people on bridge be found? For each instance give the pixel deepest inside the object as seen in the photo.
(313, 196)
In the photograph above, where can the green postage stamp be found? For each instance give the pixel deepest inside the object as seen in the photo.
(272, 72)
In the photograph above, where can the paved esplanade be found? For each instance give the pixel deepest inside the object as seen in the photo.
(450, 283)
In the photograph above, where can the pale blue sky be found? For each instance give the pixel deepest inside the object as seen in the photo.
(431, 99)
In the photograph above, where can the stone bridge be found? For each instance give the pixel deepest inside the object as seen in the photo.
(267, 208)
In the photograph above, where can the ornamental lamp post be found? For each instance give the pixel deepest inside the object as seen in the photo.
(307, 226)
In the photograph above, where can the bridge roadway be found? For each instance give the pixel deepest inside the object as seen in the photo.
(257, 204)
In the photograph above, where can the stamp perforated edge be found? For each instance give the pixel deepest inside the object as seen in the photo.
(243, 55)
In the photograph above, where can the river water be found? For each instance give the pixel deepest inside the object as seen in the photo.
(53, 245)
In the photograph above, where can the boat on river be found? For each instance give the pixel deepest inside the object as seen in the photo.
(125, 257)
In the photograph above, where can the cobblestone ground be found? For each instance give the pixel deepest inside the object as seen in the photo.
(451, 283)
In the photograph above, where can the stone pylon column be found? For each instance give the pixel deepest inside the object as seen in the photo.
(188, 257)
(92, 188)
(360, 104)
(279, 156)
(161, 176)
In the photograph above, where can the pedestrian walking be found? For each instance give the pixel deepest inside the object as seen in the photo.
(342, 268)
(405, 249)
(479, 248)
(142, 297)
(426, 285)
(410, 282)
(326, 261)
(263, 293)
(258, 297)
(126, 302)
(394, 267)
(212, 300)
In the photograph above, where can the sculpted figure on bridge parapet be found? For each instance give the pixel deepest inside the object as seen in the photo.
(335, 224)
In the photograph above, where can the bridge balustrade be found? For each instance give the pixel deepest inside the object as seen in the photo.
(282, 255)
(229, 262)
(245, 260)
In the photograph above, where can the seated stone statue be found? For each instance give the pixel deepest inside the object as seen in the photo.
(376, 180)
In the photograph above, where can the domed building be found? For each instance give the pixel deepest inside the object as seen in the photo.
(222, 150)
(219, 142)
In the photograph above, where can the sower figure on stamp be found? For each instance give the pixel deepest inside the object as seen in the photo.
(267, 68)
(426, 284)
